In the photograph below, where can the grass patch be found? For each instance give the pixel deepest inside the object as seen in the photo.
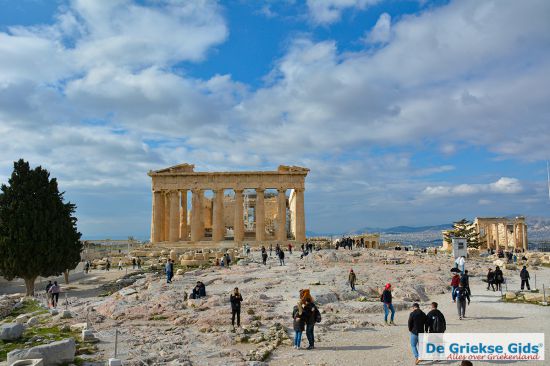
(29, 306)
(157, 317)
(36, 336)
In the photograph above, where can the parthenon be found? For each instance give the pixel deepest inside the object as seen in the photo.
(238, 217)
(502, 232)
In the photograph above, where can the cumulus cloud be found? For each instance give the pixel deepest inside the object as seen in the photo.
(504, 185)
(330, 11)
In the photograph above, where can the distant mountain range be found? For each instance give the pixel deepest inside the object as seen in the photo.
(538, 229)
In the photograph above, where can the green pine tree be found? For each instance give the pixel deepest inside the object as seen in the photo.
(464, 229)
(38, 234)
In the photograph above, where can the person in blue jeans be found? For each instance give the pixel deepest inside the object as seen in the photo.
(298, 323)
(386, 298)
(417, 322)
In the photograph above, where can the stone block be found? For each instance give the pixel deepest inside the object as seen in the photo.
(114, 362)
(78, 327)
(66, 314)
(510, 295)
(127, 291)
(32, 321)
(22, 318)
(88, 335)
(11, 331)
(54, 353)
(532, 297)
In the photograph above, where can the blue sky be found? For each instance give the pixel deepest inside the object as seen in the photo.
(406, 112)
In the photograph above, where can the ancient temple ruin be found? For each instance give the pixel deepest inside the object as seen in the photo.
(502, 232)
(244, 206)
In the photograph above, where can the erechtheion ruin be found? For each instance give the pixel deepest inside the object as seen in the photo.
(247, 213)
(502, 232)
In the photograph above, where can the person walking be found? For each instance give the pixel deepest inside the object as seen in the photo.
(460, 264)
(455, 281)
(236, 299)
(282, 257)
(290, 248)
(461, 297)
(465, 280)
(499, 278)
(138, 263)
(417, 321)
(435, 320)
(524, 275)
(351, 279)
(168, 269)
(264, 256)
(270, 249)
(386, 298)
(133, 263)
(311, 316)
(298, 323)
(108, 265)
(120, 265)
(490, 279)
(48, 294)
(54, 290)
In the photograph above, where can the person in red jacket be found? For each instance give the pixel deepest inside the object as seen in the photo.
(455, 281)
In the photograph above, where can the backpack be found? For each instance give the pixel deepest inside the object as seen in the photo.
(317, 315)
(438, 325)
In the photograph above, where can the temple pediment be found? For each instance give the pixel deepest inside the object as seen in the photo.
(180, 168)
(291, 169)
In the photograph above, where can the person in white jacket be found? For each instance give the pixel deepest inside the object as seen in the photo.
(460, 264)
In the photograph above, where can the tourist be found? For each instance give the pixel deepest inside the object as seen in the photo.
(54, 290)
(435, 320)
(351, 279)
(48, 294)
(120, 265)
(202, 289)
(460, 263)
(298, 323)
(289, 248)
(195, 294)
(282, 257)
(139, 263)
(227, 260)
(465, 280)
(491, 279)
(108, 265)
(277, 249)
(455, 281)
(311, 316)
(386, 298)
(270, 249)
(264, 256)
(248, 250)
(169, 268)
(499, 278)
(133, 263)
(417, 321)
(524, 275)
(461, 297)
(86, 267)
(222, 261)
(236, 300)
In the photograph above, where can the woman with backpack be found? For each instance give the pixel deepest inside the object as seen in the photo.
(386, 298)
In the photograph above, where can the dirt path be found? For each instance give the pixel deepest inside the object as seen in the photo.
(390, 345)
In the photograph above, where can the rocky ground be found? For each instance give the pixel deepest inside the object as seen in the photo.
(158, 325)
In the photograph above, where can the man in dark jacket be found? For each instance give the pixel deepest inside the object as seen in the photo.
(461, 296)
(417, 321)
(310, 317)
(465, 279)
(236, 299)
(435, 321)
(524, 275)
(282, 257)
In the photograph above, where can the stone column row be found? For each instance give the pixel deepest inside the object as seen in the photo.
(169, 216)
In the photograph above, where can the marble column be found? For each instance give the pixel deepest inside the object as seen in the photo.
(300, 216)
(166, 223)
(218, 227)
(238, 227)
(498, 238)
(174, 226)
(506, 234)
(196, 211)
(281, 214)
(158, 208)
(183, 216)
(525, 240)
(259, 215)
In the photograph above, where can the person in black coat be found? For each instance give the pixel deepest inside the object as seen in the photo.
(310, 318)
(417, 322)
(264, 256)
(435, 320)
(524, 275)
(282, 257)
(499, 278)
(465, 279)
(236, 299)
(461, 296)
(491, 279)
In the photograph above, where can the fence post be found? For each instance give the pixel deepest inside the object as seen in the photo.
(116, 342)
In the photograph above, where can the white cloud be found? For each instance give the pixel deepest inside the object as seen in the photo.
(381, 32)
(330, 11)
(502, 186)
